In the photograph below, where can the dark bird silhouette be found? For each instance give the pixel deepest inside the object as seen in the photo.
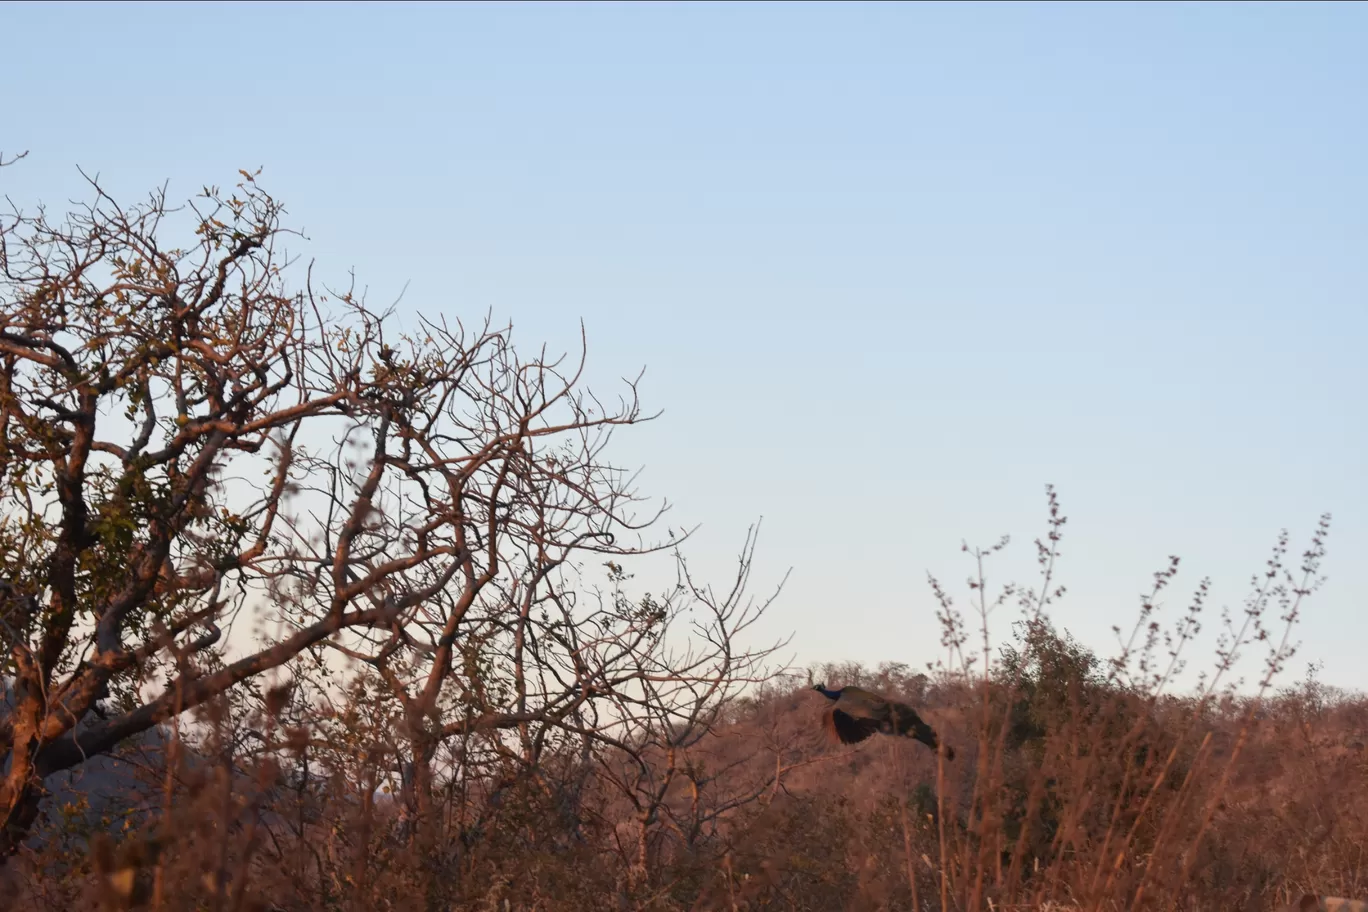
(855, 714)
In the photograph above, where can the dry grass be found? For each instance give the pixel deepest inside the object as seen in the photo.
(1080, 783)
(842, 831)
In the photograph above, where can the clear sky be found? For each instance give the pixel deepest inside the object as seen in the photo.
(890, 268)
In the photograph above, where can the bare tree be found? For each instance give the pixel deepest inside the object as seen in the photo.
(187, 446)
(668, 760)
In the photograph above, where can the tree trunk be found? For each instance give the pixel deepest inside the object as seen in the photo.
(426, 827)
(22, 790)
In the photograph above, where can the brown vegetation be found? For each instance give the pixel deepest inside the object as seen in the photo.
(301, 615)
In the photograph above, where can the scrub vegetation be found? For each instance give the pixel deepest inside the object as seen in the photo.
(305, 610)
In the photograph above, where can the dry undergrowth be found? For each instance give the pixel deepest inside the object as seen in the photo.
(1079, 784)
(297, 612)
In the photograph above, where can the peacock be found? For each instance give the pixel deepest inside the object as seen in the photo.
(855, 714)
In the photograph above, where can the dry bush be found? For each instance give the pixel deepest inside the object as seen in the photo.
(1105, 793)
(448, 710)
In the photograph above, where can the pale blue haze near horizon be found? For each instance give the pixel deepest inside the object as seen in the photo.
(890, 268)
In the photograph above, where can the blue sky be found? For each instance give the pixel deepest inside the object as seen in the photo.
(890, 268)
